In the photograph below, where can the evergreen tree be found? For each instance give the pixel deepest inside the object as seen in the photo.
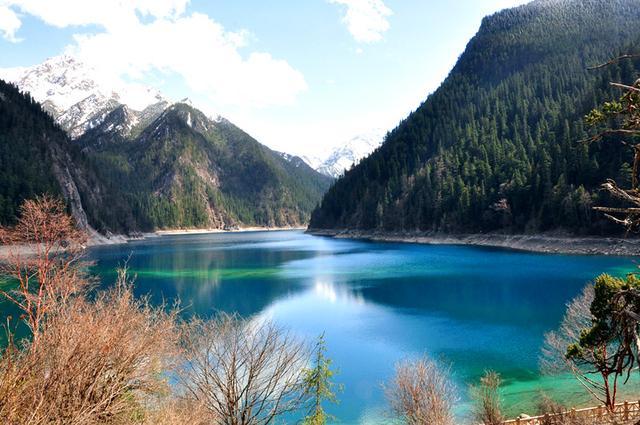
(495, 148)
(320, 385)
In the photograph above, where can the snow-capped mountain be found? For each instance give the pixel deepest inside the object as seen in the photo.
(344, 156)
(76, 97)
(294, 159)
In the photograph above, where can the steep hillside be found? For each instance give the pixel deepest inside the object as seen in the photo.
(133, 172)
(186, 170)
(37, 157)
(495, 148)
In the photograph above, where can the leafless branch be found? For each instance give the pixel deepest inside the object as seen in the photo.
(421, 393)
(244, 372)
(615, 60)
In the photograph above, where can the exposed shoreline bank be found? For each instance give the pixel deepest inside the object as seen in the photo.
(543, 243)
(98, 239)
(171, 232)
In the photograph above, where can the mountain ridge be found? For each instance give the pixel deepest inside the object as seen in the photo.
(345, 155)
(172, 167)
(69, 91)
(493, 149)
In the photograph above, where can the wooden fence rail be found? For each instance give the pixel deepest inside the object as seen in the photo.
(622, 411)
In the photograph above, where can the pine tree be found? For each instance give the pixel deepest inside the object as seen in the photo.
(320, 385)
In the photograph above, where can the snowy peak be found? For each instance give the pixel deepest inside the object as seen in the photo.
(60, 80)
(75, 95)
(344, 156)
(86, 114)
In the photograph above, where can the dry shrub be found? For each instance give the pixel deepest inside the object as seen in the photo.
(576, 318)
(49, 273)
(421, 393)
(95, 362)
(244, 372)
(554, 413)
(487, 407)
(178, 412)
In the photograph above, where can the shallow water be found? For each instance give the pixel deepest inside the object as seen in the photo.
(471, 308)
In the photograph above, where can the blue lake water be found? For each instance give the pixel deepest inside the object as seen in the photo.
(378, 303)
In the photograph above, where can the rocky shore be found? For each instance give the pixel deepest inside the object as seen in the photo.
(545, 243)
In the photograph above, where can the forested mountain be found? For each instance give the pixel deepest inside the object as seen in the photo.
(37, 157)
(137, 171)
(496, 147)
(186, 170)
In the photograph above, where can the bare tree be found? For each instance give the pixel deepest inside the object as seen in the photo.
(487, 408)
(51, 273)
(554, 359)
(619, 120)
(245, 372)
(577, 317)
(421, 393)
(172, 411)
(597, 339)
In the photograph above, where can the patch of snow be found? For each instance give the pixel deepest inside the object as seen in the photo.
(344, 156)
(71, 92)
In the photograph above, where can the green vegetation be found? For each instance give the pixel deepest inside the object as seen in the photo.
(320, 387)
(607, 346)
(181, 170)
(37, 158)
(185, 170)
(24, 154)
(496, 148)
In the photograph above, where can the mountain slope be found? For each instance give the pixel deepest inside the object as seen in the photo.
(159, 164)
(37, 157)
(126, 174)
(186, 170)
(494, 148)
(69, 90)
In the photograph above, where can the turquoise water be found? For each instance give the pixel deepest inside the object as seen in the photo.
(472, 308)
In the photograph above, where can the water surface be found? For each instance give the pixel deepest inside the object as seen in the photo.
(471, 308)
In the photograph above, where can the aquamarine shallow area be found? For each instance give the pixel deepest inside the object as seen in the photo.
(471, 308)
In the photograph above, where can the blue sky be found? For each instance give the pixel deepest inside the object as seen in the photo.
(301, 76)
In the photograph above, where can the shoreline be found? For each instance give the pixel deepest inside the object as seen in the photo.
(541, 243)
(548, 243)
(200, 231)
(98, 239)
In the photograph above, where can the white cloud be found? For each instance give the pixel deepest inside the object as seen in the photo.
(9, 23)
(366, 20)
(170, 41)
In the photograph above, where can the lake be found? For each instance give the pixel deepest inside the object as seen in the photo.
(377, 303)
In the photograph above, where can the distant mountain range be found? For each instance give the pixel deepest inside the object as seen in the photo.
(131, 160)
(69, 90)
(495, 148)
(346, 155)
